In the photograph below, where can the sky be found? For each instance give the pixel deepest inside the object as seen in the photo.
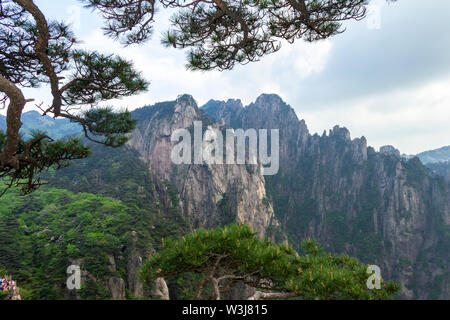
(386, 77)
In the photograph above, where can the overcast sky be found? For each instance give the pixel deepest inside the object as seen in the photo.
(386, 78)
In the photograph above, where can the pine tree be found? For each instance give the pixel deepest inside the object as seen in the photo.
(9, 248)
(233, 254)
(34, 51)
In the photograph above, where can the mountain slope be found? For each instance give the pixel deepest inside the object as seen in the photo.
(441, 168)
(437, 160)
(209, 195)
(42, 234)
(374, 206)
(106, 213)
(437, 155)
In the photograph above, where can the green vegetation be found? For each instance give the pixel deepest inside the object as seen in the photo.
(415, 172)
(227, 215)
(42, 233)
(87, 212)
(36, 51)
(226, 256)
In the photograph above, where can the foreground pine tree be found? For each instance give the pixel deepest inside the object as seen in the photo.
(226, 256)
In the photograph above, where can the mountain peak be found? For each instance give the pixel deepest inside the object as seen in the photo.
(187, 98)
(341, 132)
(390, 150)
(270, 104)
(32, 113)
(269, 98)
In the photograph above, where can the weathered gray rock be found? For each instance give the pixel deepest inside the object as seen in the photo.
(112, 264)
(390, 150)
(116, 286)
(209, 194)
(375, 206)
(160, 290)
(134, 262)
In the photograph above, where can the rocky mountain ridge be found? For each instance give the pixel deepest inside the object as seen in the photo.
(375, 206)
(209, 194)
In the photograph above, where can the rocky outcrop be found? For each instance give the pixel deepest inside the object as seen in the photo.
(160, 291)
(336, 189)
(390, 150)
(134, 262)
(208, 194)
(116, 286)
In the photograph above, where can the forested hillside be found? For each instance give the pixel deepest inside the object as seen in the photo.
(86, 215)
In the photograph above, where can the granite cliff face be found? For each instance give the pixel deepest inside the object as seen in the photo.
(208, 194)
(375, 206)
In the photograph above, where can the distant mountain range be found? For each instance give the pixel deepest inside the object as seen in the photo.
(55, 128)
(438, 160)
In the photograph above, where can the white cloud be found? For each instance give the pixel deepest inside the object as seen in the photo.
(74, 16)
(374, 13)
(311, 58)
(412, 120)
(383, 84)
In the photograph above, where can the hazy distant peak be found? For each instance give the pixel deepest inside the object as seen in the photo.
(437, 155)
